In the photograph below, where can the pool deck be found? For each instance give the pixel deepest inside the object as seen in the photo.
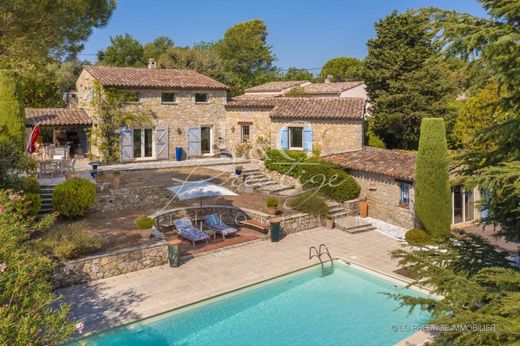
(126, 298)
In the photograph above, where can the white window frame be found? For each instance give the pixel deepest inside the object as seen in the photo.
(242, 126)
(143, 143)
(289, 142)
(169, 102)
(201, 102)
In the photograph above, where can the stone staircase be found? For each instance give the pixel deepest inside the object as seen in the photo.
(353, 224)
(256, 180)
(46, 198)
(336, 210)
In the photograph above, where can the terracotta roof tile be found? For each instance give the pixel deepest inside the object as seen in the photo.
(305, 108)
(319, 108)
(152, 78)
(330, 88)
(56, 116)
(275, 86)
(393, 163)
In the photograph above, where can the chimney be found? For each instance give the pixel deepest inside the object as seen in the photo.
(151, 63)
(328, 79)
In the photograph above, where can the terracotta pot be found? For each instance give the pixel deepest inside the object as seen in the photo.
(272, 210)
(363, 208)
(70, 175)
(329, 223)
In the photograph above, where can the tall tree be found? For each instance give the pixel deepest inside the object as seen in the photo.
(123, 50)
(406, 79)
(245, 55)
(156, 48)
(342, 69)
(493, 45)
(32, 31)
(12, 116)
(432, 190)
(294, 73)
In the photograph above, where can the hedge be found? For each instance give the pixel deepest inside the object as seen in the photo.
(432, 190)
(286, 162)
(73, 198)
(331, 180)
(12, 115)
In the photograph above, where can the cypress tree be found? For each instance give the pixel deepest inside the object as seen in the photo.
(12, 116)
(432, 191)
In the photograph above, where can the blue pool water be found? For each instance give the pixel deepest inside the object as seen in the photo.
(345, 308)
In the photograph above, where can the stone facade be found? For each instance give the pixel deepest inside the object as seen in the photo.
(133, 197)
(176, 117)
(300, 222)
(331, 136)
(110, 264)
(383, 195)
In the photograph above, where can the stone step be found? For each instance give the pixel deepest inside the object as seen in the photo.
(336, 208)
(333, 204)
(353, 224)
(338, 214)
(250, 171)
(263, 183)
(252, 180)
(277, 188)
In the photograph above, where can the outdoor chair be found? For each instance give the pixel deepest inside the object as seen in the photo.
(215, 223)
(186, 230)
(70, 165)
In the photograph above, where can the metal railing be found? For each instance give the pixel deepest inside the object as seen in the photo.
(318, 252)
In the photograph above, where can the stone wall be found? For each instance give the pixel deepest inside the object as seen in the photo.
(110, 199)
(351, 207)
(383, 195)
(300, 222)
(110, 264)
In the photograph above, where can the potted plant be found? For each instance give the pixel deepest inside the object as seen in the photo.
(329, 221)
(363, 206)
(238, 170)
(272, 205)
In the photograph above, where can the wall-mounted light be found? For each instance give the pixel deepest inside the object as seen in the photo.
(179, 131)
(232, 129)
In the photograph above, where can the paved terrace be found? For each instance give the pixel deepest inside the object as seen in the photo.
(125, 298)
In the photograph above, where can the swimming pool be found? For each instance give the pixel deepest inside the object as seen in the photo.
(344, 308)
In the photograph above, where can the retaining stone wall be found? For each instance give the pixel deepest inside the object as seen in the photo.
(110, 264)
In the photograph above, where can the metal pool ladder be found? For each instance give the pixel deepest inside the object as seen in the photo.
(320, 251)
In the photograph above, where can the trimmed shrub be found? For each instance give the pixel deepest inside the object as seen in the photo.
(418, 237)
(71, 240)
(12, 115)
(329, 179)
(287, 162)
(309, 203)
(28, 185)
(432, 190)
(73, 198)
(145, 222)
(272, 202)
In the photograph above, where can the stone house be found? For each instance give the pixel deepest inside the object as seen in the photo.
(332, 125)
(387, 180)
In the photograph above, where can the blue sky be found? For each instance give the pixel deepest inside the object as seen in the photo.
(303, 33)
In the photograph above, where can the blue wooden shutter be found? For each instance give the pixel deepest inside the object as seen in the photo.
(161, 142)
(307, 139)
(126, 135)
(194, 148)
(284, 138)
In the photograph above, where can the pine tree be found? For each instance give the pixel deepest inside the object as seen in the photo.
(12, 115)
(406, 79)
(432, 191)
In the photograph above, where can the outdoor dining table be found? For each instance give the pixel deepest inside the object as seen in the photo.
(51, 167)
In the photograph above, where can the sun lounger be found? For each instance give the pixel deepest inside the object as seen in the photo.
(215, 223)
(186, 230)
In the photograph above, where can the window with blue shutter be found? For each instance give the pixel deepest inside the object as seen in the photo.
(307, 139)
(284, 138)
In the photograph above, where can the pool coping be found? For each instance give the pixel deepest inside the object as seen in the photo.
(415, 339)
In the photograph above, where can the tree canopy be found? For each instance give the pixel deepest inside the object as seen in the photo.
(245, 55)
(342, 69)
(294, 73)
(123, 51)
(406, 79)
(12, 116)
(492, 46)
